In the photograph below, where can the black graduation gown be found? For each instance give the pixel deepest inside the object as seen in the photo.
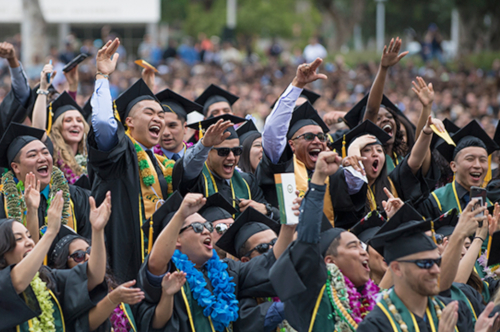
(376, 320)
(252, 315)
(71, 292)
(11, 110)
(251, 279)
(197, 185)
(475, 298)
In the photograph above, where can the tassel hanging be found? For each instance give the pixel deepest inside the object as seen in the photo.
(200, 131)
(150, 237)
(344, 153)
(49, 120)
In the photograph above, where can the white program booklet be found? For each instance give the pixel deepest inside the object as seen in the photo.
(285, 188)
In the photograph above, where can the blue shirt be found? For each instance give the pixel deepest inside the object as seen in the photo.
(103, 119)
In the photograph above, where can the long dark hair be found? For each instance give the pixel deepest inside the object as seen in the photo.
(8, 243)
(410, 134)
(245, 164)
(378, 189)
(399, 146)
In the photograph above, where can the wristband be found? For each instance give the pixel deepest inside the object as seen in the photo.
(477, 237)
(111, 301)
(42, 92)
(426, 133)
(106, 76)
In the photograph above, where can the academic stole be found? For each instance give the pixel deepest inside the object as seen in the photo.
(57, 314)
(239, 187)
(408, 317)
(371, 196)
(302, 183)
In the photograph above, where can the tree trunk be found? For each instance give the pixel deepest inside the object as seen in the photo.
(33, 32)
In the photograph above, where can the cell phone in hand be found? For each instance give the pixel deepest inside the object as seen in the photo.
(75, 62)
(479, 194)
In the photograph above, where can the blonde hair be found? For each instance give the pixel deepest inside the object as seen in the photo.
(62, 151)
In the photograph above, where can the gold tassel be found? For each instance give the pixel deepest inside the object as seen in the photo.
(433, 232)
(487, 178)
(117, 115)
(329, 138)
(200, 131)
(344, 154)
(45, 260)
(49, 120)
(150, 237)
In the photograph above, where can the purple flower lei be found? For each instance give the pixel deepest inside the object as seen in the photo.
(119, 320)
(68, 172)
(367, 296)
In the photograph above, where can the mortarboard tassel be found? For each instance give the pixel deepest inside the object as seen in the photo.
(487, 178)
(344, 154)
(150, 237)
(117, 115)
(329, 138)
(433, 232)
(200, 131)
(49, 120)
(45, 260)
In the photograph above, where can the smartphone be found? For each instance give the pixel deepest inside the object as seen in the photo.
(479, 194)
(75, 62)
(48, 74)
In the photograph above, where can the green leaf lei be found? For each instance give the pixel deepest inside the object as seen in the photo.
(44, 322)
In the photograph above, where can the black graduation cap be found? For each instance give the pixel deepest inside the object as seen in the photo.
(202, 126)
(470, 135)
(217, 208)
(494, 249)
(445, 223)
(14, 139)
(173, 102)
(246, 130)
(307, 94)
(154, 225)
(366, 228)
(65, 236)
(214, 94)
(367, 127)
(248, 223)
(305, 115)
(139, 91)
(61, 105)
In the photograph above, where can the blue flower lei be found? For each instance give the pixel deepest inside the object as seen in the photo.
(222, 305)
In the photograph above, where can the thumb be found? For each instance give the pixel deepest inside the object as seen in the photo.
(92, 203)
(129, 283)
(384, 204)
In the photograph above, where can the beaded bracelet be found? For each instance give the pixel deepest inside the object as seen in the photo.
(106, 76)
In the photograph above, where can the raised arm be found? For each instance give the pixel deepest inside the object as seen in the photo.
(421, 148)
(103, 121)
(164, 247)
(73, 78)
(171, 284)
(277, 123)
(40, 108)
(20, 84)
(390, 57)
(97, 261)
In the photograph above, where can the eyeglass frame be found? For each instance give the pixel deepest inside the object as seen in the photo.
(204, 224)
(314, 136)
(220, 149)
(269, 245)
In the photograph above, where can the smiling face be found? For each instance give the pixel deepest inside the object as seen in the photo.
(24, 244)
(470, 166)
(145, 122)
(224, 166)
(256, 153)
(307, 151)
(197, 246)
(375, 160)
(173, 133)
(385, 120)
(34, 157)
(219, 108)
(77, 244)
(351, 259)
(72, 129)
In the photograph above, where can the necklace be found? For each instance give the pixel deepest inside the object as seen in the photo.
(221, 306)
(44, 322)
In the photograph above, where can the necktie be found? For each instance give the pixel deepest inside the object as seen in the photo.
(159, 173)
(176, 157)
(466, 199)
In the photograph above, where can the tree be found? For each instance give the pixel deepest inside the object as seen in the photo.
(33, 32)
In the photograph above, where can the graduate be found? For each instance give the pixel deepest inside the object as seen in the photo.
(208, 301)
(216, 101)
(323, 277)
(36, 298)
(22, 152)
(210, 167)
(176, 109)
(121, 160)
(251, 142)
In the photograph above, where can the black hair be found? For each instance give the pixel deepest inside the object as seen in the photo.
(399, 146)
(245, 163)
(410, 133)
(334, 246)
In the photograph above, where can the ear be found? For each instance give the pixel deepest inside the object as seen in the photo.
(185, 129)
(329, 259)
(291, 145)
(396, 268)
(129, 122)
(15, 169)
(453, 166)
(244, 259)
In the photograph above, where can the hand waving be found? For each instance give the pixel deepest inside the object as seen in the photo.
(485, 323)
(306, 73)
(173, 282)
(31, 192)
(99, 216)
(107, 57)
(126, 294)
(425, 93)
(215, 134)
(391, 54)
(54, 214)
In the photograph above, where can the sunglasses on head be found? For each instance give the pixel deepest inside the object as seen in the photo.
(221, 228)
(79, 255)
(198, 227)
(223, 152)
(310, 137)
(262, 248)
(424, 263)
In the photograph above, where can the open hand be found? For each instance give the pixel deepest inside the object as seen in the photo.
(449, 317)
(359, 143)
(486, 324)
(54, 214)
(107, 57)
(215, 134)
(32, 192)
(425, 93)
(126, 294)
(173, 282)
(99, 216)
(306, 73)
(191, 204)
(391, 54)
(392, 205)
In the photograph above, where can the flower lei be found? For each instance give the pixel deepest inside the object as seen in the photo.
(119, 320)
(69, 174)
(344, 298)
(44, 322)
(489, 271)
(16, 205)
(222, 305)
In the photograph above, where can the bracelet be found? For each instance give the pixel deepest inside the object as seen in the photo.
(106, 76)
(111, 301)
(426, 133)
(477, 237)
(42, 92)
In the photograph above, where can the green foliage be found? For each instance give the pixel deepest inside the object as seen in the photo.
(200, 20)
(173, 11)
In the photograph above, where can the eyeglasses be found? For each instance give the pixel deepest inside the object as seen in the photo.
(198, 227)
(79, 255)
(224, 152)
(424, 263)
(262, 248)
(310, 137)
(221, 228)
(439, 238)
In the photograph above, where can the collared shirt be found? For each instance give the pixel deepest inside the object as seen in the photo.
(103, 119)
(169, 154)
(20, 85)
(461, 192)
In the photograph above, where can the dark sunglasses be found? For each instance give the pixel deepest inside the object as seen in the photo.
(424, 263)
(79, 255)
(223, 152)
(222, 228)
(439, 238)
(262, 248)
(198, 227)
(310, 137)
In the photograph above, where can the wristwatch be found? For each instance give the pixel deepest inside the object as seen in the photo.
(269, 209)
(42, 92)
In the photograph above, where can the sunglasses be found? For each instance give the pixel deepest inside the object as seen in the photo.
(79, 255)
(262, 248)
(198, 227)
(224, 152)
(222, 228)
(310, 137)
(424, 263)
